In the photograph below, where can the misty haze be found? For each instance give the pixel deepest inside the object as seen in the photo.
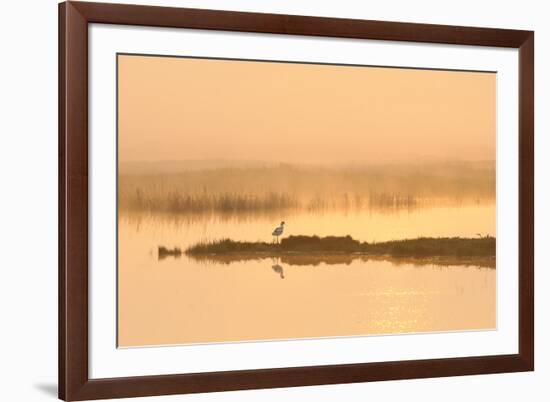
(261, 201)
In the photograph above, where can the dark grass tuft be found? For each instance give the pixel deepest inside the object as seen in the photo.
(164, 252)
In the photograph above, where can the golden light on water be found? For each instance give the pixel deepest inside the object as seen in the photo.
(181, 300)
(212, 149)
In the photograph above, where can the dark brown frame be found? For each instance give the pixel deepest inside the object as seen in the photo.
(74, 383)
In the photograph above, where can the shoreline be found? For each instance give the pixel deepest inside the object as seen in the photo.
(313, 250)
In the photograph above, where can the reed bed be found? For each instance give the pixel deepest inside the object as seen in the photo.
(235, 190)
(177, 202)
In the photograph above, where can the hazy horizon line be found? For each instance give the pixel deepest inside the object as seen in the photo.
(286, 162)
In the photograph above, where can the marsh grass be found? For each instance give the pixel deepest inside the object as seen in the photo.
(333, 250)
(177, 202)
(227, 246)
(419, 247)
(288, 188)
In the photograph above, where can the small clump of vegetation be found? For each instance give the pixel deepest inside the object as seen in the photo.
(164, 252)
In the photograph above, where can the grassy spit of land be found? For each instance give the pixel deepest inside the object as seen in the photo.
(447, 250)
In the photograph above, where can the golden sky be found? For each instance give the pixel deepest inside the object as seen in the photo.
(181, 109)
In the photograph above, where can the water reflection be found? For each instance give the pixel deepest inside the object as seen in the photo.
(170, 298)
(279, 270)
(341, 259)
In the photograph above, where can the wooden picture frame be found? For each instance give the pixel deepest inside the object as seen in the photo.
(74, 381)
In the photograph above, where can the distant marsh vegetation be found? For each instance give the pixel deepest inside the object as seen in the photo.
(268, 189)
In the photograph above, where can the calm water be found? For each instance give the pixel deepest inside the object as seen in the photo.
(181, 300)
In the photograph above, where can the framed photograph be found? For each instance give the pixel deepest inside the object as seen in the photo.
(260, 200)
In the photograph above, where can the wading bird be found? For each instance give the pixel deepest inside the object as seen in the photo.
(278, 231)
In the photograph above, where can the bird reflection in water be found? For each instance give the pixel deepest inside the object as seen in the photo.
(278, 269)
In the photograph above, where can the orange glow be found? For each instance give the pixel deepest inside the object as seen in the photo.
(178, 108)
